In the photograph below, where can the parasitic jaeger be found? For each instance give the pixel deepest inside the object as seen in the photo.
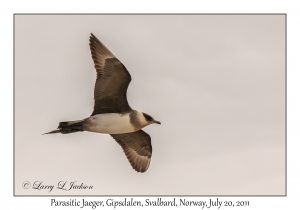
(112, 113)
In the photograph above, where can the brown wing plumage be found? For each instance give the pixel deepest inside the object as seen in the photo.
(112, 80)
(137, 148)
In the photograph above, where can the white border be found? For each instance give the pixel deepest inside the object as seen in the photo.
(154, 6)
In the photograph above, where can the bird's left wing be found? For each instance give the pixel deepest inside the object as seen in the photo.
(137, 148)
(112, 80)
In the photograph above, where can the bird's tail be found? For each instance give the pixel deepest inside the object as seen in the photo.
(68, 127)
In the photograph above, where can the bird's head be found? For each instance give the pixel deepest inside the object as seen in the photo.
(150, 119)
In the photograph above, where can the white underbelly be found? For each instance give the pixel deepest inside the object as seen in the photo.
(109, 123)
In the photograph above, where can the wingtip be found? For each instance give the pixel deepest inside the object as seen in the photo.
(93, 39)
(141, 170)
(92, 36)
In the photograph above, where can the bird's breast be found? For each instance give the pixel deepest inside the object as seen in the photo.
(111, 123)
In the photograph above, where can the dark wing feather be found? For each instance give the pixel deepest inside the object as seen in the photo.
(112, 80)
(137, 148)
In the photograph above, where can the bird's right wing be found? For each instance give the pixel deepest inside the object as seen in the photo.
(137, 148)
(112, 80)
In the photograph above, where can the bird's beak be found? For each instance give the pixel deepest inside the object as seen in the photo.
(157, 122)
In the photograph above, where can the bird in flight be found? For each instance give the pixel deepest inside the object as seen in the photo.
(112, 113)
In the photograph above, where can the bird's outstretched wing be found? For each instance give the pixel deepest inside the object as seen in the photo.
(137, 148)
(112, 80)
